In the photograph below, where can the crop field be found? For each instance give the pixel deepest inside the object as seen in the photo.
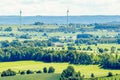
(59, 67)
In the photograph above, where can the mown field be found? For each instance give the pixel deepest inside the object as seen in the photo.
(33, 77)
(49, 77)
(59, 67)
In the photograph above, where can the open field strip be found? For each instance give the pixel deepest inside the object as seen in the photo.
(33, 77)
(59, 67)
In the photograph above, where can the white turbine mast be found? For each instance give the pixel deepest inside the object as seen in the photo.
(20, 18)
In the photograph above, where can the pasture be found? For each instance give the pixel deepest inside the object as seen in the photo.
(33, 77)
(59, 67)
(49, 77)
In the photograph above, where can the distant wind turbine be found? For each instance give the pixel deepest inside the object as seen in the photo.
(67, 19)
(20, 18)
(67, 16)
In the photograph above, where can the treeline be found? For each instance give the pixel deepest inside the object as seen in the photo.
(26, 43)
(71, 56)
(10, 72)
(63, 28)
(107, 26)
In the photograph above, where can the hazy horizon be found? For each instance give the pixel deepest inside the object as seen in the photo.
(57, 15)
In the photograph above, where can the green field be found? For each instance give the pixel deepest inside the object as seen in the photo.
(51, 34)
(49, 77)
(33, 77)
(59, 67)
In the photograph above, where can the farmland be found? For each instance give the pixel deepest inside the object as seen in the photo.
(87, 48)
(38, 34)
(33, 77)
(59, 67)
(47, 77)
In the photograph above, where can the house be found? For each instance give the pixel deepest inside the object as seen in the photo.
(58, 44)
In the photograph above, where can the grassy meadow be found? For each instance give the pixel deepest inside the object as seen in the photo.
(33, 77)
(49, 77)
(59, 67)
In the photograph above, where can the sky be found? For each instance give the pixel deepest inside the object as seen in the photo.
(59, 7)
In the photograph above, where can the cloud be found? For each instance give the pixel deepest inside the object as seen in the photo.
(58, 7)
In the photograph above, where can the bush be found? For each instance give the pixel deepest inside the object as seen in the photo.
(51, 70)
(22, 72)
(71, 74)
(8, 29)
(8, 72)
(92, 75)
(25, 36)
(38, 71)
(29, 72)
(71, 48)
(100, 50)
(68, 72)
(45, 70)
(109, 74)
(38, 23)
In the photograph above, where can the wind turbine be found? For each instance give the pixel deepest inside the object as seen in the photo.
(20, 18)
(67, 18)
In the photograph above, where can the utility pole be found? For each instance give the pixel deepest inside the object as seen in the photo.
(20, 18)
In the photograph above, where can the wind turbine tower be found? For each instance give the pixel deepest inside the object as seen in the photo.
(67, 17)
(20, 18)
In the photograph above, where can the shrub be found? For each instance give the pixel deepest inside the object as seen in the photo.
(8, 72)
(38, 23)
(45, 70)
(68, 72)
(8, 29)
(100, 50)
(51, 70)
(38, 71)
(25, 36)
(92, 75)
(109, 74)
(29, 72)
(22, 72)
(71, 48)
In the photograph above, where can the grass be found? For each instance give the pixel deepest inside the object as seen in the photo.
(50, 77)
(33, 77)
(103, 33)
(110, 78)
(59, 67)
